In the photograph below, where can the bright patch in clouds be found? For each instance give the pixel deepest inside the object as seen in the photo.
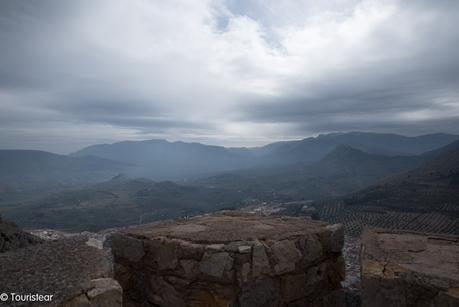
(235, 72)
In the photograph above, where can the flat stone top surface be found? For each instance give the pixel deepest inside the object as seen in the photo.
(429, 255)
(228, 227)
(63, 268)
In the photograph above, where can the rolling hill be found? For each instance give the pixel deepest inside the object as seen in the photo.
(432, 186)
(24, 172)
(424, 199)
(343, 170)
(117, 202)
(160, 159)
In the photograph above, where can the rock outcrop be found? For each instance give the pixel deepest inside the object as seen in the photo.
(68, 273)
(103, 292)
(230, 259)
(401, 269)
(12, 237)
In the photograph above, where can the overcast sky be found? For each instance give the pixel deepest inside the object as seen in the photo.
(228, 72)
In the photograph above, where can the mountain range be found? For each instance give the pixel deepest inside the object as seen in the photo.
(314, 148)
(84, 191)
(160, 159)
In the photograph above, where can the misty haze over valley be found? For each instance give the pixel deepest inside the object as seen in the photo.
(112, 185)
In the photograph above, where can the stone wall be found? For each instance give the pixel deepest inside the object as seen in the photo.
(230, 259)
(74, 273)
(401, 269)
(102, 292)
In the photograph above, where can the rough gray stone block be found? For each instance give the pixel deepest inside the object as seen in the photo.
(229, 259)
(403, 269)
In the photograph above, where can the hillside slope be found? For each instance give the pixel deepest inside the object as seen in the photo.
(342, 171)
(432, 186)
(160, 159)
(315, 148)
(118, 202)
(32, 171)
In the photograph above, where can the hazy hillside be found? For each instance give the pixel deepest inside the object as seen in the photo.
(436, 154)
(160, 159)
(346, 160)
(342, 171)
(32, 171)
(433, 185)
(118, 202)
(314, 148)
(163, 159)
(424, 199)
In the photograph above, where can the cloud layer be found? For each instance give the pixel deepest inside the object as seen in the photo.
(234, 72)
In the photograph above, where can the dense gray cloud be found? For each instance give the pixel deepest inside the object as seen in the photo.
(228, 72)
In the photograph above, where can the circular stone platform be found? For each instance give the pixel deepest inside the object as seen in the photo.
(228, 227)
(230, 259)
